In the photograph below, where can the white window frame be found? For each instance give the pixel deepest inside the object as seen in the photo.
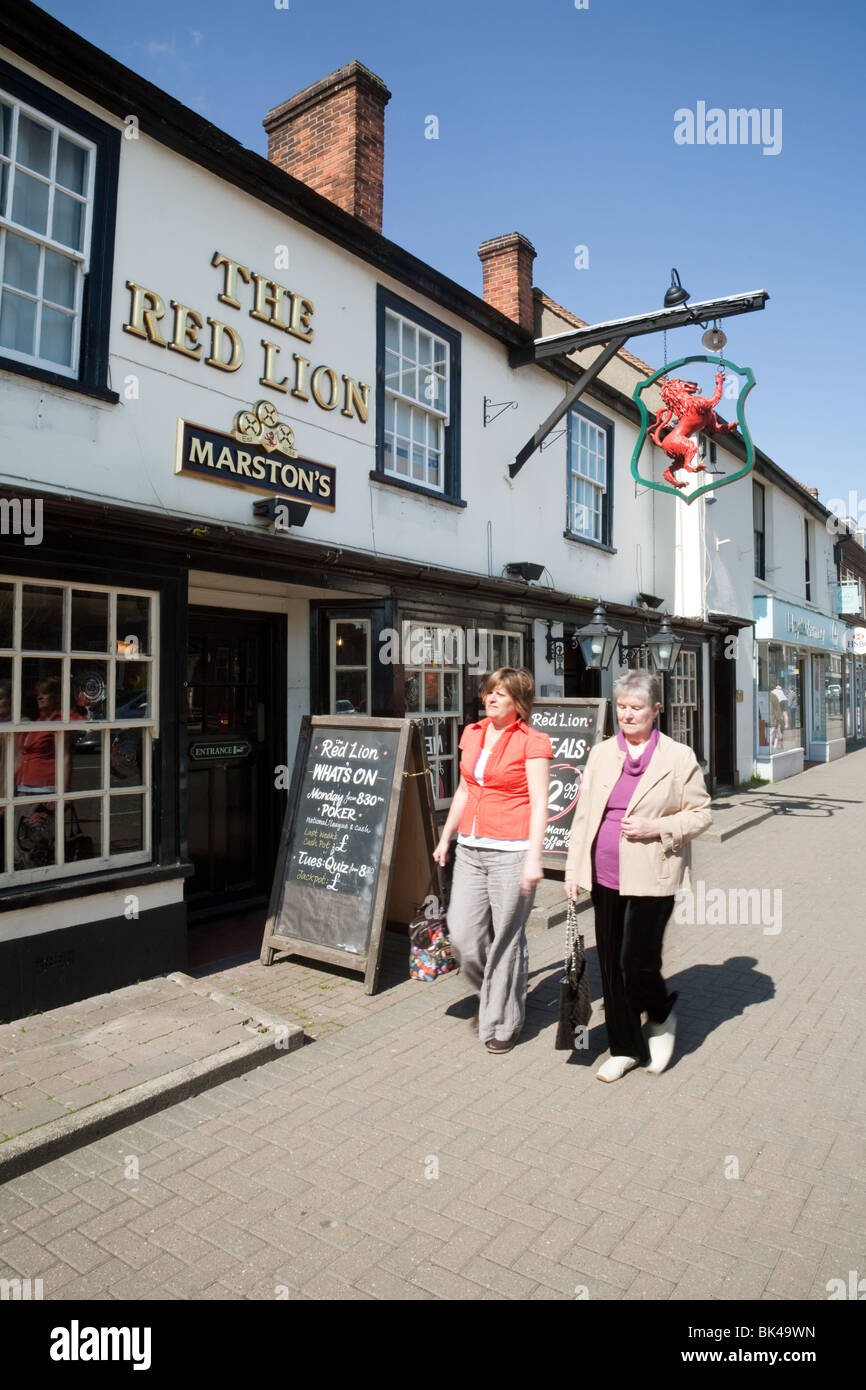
(486, 636)
(684, 697)
(9, 733)
(427, 423)
(81, 258)
(586, 516)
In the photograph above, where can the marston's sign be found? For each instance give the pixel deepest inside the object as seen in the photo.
(242, 458)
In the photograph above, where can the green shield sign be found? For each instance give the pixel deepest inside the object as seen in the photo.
(747, 381)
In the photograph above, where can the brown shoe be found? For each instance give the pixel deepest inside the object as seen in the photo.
(496, 1045)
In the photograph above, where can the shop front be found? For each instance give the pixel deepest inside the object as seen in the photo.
(855, 687)
(799, 688)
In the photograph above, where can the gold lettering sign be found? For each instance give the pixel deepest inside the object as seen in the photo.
(281, 308)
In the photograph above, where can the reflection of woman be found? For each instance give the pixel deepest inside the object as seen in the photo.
(779, 716)
(35, 758)
(500, 813)
(643, 797)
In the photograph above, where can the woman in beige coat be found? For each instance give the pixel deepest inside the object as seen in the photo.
(642, 799)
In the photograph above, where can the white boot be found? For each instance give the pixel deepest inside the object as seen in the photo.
(614, 1068)
(661, 1043)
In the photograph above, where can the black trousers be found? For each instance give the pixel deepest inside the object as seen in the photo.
(628, 937)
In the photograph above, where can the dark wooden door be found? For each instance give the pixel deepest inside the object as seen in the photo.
(234, 722)
(724, 717)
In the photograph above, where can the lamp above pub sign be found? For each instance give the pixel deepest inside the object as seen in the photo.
(243, 458)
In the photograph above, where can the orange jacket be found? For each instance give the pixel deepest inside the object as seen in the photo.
(500, 809)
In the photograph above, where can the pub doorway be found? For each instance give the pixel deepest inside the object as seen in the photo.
(235, 740)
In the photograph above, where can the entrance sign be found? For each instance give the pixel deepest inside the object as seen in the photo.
(357, 842)
(204, 750)
(572, 726)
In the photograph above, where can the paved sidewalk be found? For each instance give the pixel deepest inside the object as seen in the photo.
(75, 1070)
(396, 1158)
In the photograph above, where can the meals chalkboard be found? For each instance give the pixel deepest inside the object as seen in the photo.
(573, 726)
(360, 798)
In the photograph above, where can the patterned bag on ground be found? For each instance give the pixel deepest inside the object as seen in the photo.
(429, 944)
(575, 1006)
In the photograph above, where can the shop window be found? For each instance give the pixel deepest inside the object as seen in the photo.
(78, 714)
(350, 666)
(590, 492)
(827, 718)
(418, 399)
(433, 676)
(58, 182)
(780, 697)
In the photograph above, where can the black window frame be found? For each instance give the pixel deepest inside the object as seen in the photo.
(93, 358)
(760, 534)
(602, 422)
(450, 494)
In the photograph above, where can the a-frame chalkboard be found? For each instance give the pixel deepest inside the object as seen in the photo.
(573, 727)
(357, 842)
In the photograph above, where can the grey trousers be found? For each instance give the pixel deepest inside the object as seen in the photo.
(485, 894)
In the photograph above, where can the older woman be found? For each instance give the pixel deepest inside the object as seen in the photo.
(642, 799)
(500, 813)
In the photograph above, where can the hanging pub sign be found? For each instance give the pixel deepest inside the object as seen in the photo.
(573, 726)
(357, 843)
(259, 455)
(675, 428)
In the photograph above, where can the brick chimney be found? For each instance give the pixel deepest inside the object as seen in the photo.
(507, 264)
(332, 137)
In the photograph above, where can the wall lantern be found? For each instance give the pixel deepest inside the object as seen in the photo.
(598, 641)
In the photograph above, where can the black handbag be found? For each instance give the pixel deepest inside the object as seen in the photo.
(575, 1005)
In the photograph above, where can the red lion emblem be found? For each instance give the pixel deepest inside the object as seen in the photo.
(695, 413)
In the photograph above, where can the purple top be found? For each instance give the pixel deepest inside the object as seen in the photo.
(605, 858)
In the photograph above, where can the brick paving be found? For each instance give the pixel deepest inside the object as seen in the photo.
(55, 1063)
(395, 1158)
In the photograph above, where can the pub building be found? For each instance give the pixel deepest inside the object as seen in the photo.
(253, 462)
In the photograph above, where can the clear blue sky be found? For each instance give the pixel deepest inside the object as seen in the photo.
(559, 123)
